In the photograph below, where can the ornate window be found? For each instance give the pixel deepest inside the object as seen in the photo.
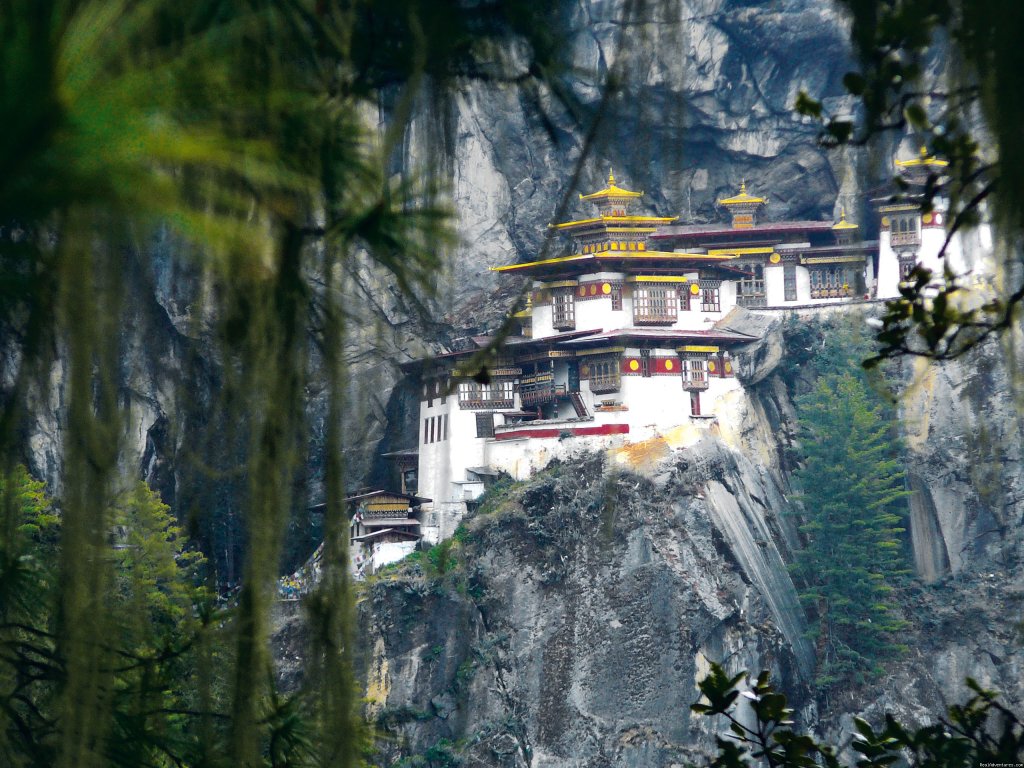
(710, 296)
(616, 298)
(907, 263)
(683, 291)
(497, 394)
(563, 309)
(654, 304)
(904, 230)
(695, 373)
(750, 290)
(830, 283)
(605, 375)
(789, 282)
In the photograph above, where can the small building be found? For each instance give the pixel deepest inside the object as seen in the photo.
(909, 237)
(384, 527)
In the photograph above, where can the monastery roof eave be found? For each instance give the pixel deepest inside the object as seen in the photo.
(634, 256)
(698, 230)
(638, 221)
(662, 334)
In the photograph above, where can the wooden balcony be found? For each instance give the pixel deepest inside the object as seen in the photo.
(904, 239)
(654, 318)
(695, 384)
(536, 390)
(601, 384)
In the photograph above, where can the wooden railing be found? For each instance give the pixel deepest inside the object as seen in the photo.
(538, 389)
(904, 238)
(611, 382)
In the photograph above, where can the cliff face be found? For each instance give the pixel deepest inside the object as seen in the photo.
(707, 100)
(586, 605)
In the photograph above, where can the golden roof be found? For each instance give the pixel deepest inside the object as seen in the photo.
(611, 191)
(843, 223)
(922, 160)
(743, 198)
(636, 222)
(617, 256)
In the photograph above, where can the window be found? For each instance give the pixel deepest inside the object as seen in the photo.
(789, 282)
(830, 283)
(907, 263)
(444, 426)
(485, 425)
(605, 375)
(426, 430)
(497, 394)
(903, 230)
(695, 373)
(750, 290)
(709, 297)
(616, 298)
(684, 298)
(563, 309)
(654, 304)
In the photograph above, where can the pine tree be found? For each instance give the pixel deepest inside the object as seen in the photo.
(851, 492)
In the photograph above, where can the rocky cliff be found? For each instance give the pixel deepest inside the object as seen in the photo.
(706, 93)
(570, 623)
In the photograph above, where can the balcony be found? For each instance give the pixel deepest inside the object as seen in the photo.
(653, 317)
(695, 384)
(904, 239)
(608, 383)
(539, 389)
(491, 403)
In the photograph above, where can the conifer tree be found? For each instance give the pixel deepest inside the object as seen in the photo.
(851, 491)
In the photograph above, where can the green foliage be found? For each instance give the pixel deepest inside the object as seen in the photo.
(980, 732)
(851, 491)
(162, 617)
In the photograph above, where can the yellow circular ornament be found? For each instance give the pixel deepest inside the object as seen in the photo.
(775, 258)
(927, 218)
(885, 221)
(669, 365)
(584, 370)
(606, 289)
(711, 366)
(593, 290)
(694, 289)
(634, 365)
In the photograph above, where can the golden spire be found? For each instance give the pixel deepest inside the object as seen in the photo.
(843, 223)
(611, 177)
(743, 198)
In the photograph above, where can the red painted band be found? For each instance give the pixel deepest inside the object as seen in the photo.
(603, 429)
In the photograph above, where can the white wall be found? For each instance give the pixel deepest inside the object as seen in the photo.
(774, 285)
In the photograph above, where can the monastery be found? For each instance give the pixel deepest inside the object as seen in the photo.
(627, 335)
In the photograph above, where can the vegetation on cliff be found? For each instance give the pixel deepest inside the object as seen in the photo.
(980, 732)
(851, 492)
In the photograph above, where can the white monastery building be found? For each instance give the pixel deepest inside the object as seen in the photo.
(625, 336)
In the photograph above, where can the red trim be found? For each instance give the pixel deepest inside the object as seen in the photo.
(603, 429)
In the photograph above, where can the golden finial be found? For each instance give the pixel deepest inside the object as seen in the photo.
(611, 177)
(743, 186)
(924, 151)
(842, 214)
